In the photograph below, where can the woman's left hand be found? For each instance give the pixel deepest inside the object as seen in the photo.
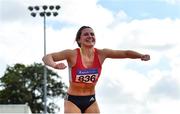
(145, 57)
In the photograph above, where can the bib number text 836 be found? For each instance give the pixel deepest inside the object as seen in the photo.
(87, 78)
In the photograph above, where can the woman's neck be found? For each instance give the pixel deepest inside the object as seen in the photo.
(87, 51)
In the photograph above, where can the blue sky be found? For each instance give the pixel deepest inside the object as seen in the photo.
(137, 9)
(140, 9)
(128, 86)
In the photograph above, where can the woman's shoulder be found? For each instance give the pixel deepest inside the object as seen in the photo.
(66, 53)
(103, 50)
(101, 54)
(71, 52)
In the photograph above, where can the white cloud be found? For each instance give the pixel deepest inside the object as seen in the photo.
(125, 86)
(164, 106)
(154, 36)
(173, 2)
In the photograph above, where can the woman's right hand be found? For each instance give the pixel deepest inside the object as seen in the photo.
(60, 66)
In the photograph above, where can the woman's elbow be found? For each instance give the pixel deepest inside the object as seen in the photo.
(44, 58)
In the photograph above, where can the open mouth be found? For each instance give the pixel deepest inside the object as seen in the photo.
(89, 40)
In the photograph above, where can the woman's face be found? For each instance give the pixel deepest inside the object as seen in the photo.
(87, 38)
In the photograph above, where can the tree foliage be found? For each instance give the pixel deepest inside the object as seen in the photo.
(22, 84)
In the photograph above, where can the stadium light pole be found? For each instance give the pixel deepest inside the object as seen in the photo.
(44, 11)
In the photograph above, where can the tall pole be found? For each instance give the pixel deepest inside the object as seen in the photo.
(34, 10)
(45, 70)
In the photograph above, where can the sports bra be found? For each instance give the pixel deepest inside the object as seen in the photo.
(79, 74)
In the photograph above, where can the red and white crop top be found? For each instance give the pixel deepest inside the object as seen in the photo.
(79, 74)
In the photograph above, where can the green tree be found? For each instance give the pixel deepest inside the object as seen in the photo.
(22, 84)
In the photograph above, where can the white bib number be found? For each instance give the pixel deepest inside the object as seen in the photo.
(87, 75)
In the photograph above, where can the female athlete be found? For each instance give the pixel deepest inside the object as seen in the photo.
(85, 65)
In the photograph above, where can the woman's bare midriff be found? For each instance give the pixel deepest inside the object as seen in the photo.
(81, 89)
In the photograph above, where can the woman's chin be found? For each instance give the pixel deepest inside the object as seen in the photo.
(89, 46)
